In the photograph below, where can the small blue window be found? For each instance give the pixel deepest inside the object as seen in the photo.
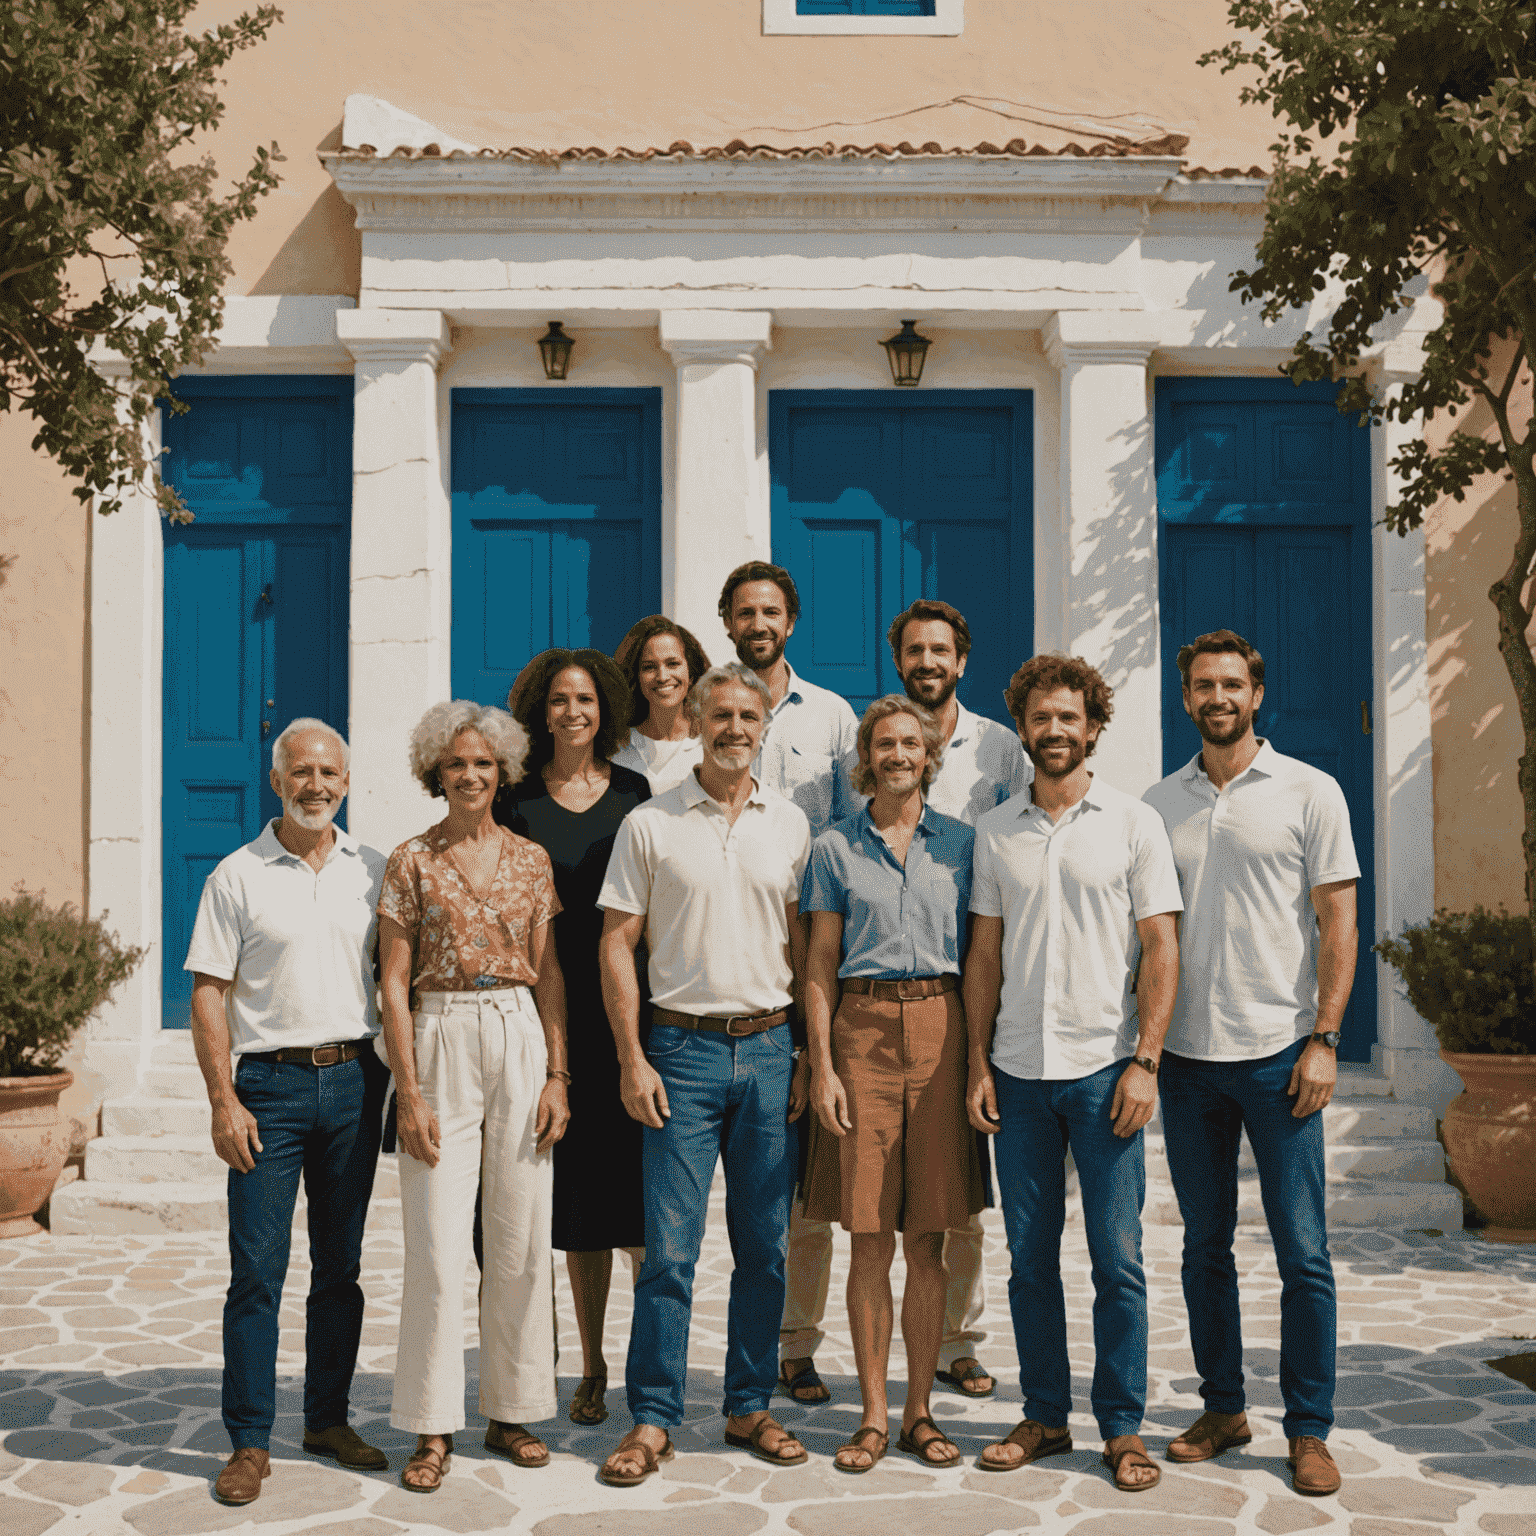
(864, 7)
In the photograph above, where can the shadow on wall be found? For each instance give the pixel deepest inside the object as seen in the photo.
(1476, 728)
(324, 251)
(1117, 592)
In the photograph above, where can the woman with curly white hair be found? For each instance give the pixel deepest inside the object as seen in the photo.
(474, 1022)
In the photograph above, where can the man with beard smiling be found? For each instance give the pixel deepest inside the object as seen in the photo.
(1068, 988)
(709, 872)
(282, 962)
(1269, 941)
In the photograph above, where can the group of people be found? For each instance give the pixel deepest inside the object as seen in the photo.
(675, 908)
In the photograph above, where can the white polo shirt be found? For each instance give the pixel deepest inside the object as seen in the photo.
(297, 942)
(982, 766)
(1070, 894)
(1249, 858)
(809, 753)
(713, 895)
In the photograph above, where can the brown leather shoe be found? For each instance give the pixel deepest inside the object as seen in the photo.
(1313, 1470)
(347, 1446)
(240, 1481)
(1210, 1435)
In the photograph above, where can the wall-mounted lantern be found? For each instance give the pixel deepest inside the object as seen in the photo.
(555, 349)
(906, 350)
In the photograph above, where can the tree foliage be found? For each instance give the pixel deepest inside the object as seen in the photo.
(112, 231)
(1409, 157)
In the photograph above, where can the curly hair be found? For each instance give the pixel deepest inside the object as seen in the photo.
(436, 730)
(1051, 671)
(929, 608)
(530, 696)
(1214, 644)
(760, 570)
(632, 648)
(882, 709)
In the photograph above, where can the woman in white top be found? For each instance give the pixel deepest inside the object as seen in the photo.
(662, 662)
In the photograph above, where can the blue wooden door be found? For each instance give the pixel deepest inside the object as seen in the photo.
(556, 526)
(255, 617)
(879, 499)
(1264, 528)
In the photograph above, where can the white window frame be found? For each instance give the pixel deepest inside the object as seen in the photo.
(780, 20)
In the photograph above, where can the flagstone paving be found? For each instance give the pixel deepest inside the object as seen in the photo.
(109, 1410)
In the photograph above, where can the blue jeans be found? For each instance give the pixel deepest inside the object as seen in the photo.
(1041, 1120)
(1205, 1106)
(322, 1122)
(728, 1097)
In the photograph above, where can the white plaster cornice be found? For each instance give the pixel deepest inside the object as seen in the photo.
(1102, 336)
(394, 335)
(716, 335)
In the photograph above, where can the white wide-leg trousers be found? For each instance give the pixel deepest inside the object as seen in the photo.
(480, 1061)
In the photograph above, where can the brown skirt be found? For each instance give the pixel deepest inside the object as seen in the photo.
(909, 1164)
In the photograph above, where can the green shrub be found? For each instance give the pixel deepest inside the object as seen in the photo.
(1469, 975)
(56, 969)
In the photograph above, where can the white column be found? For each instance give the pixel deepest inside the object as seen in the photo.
(1106, 546)
(123, 869)
(400, 562)
(720, 507)
(1406, 1049)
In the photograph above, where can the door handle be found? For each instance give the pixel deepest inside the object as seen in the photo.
(266, 725)
(266, 595)
(1365, 718)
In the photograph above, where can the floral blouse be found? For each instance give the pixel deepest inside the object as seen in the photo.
(458, 942)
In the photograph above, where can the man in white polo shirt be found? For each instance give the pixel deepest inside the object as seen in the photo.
(709, 873)
(1269, 941)
(1068, 989)
(283, 1023)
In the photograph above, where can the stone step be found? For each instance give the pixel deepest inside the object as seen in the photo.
(1359, 1158)
(1386, 1203)
(99, 1208)
(1357, 1080)
(141, 1114)
(148, 1159)
(173, 1082)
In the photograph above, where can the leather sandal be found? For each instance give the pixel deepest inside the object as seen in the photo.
(754, 1442)
(516, 1437)
(649, 1460)
(1210, 1435)
(961, 1380)
(588, 1407)
(430, 1462)
(1137, 1456)
(909, 1443)
(793, 1383)
(875, 1451)
(1033, 1438)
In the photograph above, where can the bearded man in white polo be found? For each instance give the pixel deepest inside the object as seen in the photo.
(283, 1022)
(1268, 947)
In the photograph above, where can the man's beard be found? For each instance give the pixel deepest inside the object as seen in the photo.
(1077, 754)
(946, 691)
(1224, 734)
(311, 821)
(730, 759)
(744, 654)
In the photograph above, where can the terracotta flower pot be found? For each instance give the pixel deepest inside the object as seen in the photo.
(34, 1142)
(1490, 1139)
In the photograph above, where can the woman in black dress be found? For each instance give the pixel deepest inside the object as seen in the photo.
(575, 707)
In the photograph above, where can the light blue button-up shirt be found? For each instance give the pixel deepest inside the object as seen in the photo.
(897, 921)
(810, 751)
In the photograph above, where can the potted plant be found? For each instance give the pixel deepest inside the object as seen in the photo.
(1470, 975)
(56, 969)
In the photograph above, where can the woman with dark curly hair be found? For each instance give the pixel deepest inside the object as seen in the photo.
(570, 800)
(662, 661)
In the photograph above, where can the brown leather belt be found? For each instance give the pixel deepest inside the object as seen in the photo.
(907, 989)
(736, 1024)
(311, 1055)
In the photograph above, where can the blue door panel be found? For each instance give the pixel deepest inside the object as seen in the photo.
(878, 500)
(1274, 543)
(556, 526)
(256, 594)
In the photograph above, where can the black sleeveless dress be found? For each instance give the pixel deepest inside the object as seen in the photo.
(598, 1199)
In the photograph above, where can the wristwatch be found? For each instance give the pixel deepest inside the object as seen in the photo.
(1329, 1037)
(1146, 1064)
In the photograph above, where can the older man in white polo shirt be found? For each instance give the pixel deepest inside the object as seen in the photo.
(1068, 989)
(1269, 941)
(710, 873)
(283, 1023)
